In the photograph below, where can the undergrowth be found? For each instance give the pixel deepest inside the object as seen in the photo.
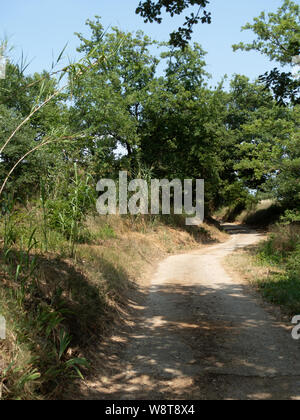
(59, 294)
(282, 250)
(273, 267)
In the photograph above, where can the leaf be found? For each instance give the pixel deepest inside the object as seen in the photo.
(77, 361)
(64, 342)
(62, 52)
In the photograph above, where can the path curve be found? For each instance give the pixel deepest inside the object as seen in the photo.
(202, 335)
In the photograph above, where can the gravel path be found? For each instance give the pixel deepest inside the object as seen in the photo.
(201, 334)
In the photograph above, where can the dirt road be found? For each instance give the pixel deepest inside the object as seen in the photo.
(201, 335)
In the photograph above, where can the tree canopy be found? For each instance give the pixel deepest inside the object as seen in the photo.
(278, 37)
(151, 11)
(123, 114)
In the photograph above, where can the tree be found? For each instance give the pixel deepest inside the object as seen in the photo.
(278, 37)
(151, 12)
(285, 185)
(19, 94)
(36, 104)
(182, 123)
(264, 154)
(25, 180)
(107, 102)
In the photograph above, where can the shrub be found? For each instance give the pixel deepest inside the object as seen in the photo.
(284, 241)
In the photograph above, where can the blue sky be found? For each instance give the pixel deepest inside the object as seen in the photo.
(40, 27)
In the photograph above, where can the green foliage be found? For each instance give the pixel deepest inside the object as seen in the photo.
(291, 216)
(278, 38)
(277, 34)
(285, 86)
(184, 123)
(265, 150)
(66, 210)
(108, 100)
(26, 176)
(173, 126)
(282, 251)
(151, 12)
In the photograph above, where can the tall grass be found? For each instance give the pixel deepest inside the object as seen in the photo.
(35, 324)
(68, 204)
(282, 251)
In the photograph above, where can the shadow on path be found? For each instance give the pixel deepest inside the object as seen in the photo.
(200, 335)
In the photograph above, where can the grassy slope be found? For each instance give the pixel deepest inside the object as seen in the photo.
(273, 268)
(259, 215)
(53, 298)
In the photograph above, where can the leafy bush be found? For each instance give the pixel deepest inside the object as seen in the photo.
(283, 242)
(291, 216)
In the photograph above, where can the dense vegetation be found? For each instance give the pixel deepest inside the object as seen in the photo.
(63, 130)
